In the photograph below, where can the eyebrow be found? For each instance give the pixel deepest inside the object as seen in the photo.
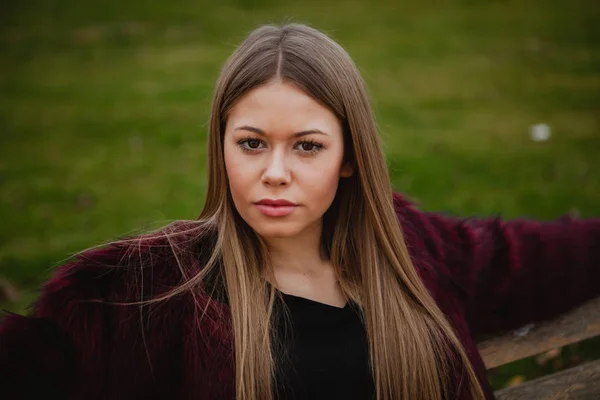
(262, 133)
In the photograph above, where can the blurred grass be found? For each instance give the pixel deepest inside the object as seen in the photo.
(104, 105)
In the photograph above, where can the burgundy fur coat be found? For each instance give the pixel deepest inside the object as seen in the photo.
(485, 274)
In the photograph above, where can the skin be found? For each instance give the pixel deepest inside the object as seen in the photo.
(265, 158)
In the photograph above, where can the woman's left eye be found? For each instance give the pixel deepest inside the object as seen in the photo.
(308, 146)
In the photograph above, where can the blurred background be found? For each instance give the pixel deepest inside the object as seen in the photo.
(485, 107)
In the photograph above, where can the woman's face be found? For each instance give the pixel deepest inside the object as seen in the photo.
(280, 144)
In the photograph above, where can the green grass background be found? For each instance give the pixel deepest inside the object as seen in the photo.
(104, 108)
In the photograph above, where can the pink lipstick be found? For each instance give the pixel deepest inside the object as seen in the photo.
(275, 208)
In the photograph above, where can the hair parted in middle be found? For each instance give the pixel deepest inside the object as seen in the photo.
(412, 345)
(414, 351)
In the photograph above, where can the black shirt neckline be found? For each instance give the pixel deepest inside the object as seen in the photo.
(290, 298)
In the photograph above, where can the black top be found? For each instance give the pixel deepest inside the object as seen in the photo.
(323, 352)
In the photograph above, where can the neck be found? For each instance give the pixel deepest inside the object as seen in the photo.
(300, 269)
(298, 254)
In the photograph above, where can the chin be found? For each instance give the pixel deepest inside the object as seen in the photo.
(276, 229)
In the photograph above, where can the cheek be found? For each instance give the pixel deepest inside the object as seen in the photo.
(238, 173)
(320, 184)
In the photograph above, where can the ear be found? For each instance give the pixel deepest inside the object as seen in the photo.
(346, 170)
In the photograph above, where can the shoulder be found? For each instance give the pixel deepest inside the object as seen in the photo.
(416, 227)
(435, 233)
(408, 214)
(126, 270)
(428, 239)
(88, 319)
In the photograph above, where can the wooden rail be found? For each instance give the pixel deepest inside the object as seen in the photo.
(581, 382)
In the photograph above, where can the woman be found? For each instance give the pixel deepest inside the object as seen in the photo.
(305, 276)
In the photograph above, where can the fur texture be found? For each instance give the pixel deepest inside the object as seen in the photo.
(487, 275)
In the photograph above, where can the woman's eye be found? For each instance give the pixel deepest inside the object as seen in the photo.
(309, 147)
(253, 143)
(250, 144)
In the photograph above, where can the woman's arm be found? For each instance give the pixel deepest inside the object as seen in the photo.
(35, 358)
(64, 339)
(509, 273)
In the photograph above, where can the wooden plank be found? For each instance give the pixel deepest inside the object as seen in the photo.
(579, 324)
(578, 383)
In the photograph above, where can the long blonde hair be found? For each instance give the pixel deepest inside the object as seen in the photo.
(412, 346)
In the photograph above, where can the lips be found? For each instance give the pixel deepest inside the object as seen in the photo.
(275, 208)
(275, 203)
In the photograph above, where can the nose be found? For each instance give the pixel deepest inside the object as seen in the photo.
(276, 172)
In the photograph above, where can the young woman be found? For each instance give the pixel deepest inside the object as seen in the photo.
(305, 276)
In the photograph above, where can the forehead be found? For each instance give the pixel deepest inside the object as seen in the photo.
(282, 107)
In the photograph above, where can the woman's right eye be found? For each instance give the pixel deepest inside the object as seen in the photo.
(250, 144)
(253, 143)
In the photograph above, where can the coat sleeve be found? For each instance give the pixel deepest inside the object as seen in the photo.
(509, 273)
(65, 335)
(34, 355)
